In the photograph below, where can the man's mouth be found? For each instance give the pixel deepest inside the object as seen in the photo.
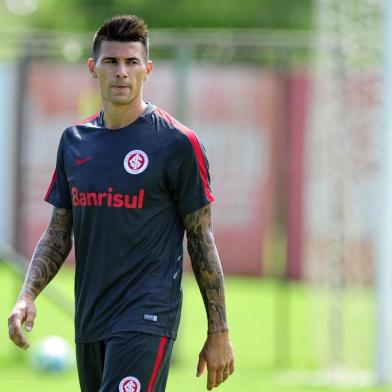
(120, 88)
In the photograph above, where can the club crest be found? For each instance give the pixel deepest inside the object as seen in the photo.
(135, 162)
(129, 384)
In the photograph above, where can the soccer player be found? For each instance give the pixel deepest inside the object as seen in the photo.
(128, 182)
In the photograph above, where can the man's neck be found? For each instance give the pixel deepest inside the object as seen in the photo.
(119, 116)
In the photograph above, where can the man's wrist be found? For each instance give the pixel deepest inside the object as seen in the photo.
(27, 294)
(217, 331)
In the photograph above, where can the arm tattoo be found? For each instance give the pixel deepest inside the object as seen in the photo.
(207, 267)
(50, 253)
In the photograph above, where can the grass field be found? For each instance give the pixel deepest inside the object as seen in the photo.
(271, 359)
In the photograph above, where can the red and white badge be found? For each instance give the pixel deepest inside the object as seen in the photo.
(135, 162)
(129, 384)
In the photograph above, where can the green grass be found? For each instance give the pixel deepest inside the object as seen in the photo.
(280, 333)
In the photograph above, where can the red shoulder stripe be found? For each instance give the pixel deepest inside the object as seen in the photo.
(158, 361)
(93, 117)
(196, 147)
(54, 177)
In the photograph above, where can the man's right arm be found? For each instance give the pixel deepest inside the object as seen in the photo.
(48, 257)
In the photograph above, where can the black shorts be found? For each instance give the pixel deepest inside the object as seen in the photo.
(124, 362)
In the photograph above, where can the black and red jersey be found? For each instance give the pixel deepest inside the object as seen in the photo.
(129, 189)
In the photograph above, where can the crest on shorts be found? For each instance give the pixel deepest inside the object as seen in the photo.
(129, 384)
(135, 162)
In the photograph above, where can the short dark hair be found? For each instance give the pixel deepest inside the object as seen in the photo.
(121, 28)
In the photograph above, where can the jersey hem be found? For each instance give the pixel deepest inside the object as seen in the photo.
(58, 204)
(196, 207)
(151, 331)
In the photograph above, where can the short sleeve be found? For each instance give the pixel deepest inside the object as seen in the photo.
(190, 177)
(58, 191)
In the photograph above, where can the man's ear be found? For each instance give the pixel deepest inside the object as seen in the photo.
(149, 69)
(91, 67)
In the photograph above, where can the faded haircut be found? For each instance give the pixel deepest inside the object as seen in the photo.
(121, 28)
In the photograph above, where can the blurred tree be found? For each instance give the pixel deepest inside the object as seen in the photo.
(86, 15)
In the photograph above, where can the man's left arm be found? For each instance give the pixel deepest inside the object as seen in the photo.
(217, 352)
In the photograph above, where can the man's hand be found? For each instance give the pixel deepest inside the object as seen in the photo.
(22, 313)
(217, 355)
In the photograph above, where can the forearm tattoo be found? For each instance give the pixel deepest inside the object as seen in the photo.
(50, 253)
(207, 267)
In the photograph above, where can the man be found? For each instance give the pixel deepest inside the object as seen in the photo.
(128, 182)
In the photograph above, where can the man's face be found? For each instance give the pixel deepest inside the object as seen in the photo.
(121, 68)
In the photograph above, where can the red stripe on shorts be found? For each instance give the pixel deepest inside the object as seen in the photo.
(158, 362)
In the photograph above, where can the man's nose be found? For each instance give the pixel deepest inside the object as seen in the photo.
(121, 71)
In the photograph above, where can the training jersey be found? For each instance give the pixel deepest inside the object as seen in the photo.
(129, 190)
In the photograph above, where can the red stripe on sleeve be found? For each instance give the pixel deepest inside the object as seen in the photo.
(196, 147)
(158, 361)
(51, 185)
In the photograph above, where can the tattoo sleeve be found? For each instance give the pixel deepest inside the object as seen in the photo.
(50, 253)
(207, 267)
